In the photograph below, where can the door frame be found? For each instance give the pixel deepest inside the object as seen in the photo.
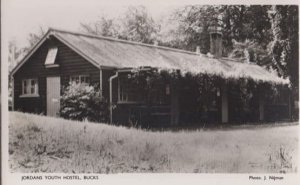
(59, 87)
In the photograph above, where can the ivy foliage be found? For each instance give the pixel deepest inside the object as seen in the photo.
(201, 92)
(149, 80)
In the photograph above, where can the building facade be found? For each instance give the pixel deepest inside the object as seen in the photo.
(61, 57)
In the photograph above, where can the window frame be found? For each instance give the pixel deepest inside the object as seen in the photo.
(85, 76)
(29, 87)
(51, 57)
(125, 100)
(162, 93)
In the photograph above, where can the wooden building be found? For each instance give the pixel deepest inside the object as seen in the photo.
(63, 56)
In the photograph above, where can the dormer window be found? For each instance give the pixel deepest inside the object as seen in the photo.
(51, 56)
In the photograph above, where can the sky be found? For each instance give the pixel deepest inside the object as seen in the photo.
(20, 18)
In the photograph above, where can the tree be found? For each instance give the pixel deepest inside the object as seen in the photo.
(250, 51)
(17, 53)
(14, 54)
(33, 38)
(238, 22)
(138, 25)
(172, 33)
(285, 42)
(243, 23)
(192, 28)
(104, 27)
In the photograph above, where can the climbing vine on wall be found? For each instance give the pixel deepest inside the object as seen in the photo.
(202, 92)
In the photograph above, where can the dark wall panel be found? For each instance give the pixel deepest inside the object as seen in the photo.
(70, 63)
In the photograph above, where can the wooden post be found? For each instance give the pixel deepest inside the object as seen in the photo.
(174, 105)
(261, 105)
(224, 103)
(290, 105)
(13, 93)
(110, 95)
(100, 81)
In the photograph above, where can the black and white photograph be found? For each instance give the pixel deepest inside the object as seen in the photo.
(111, 88)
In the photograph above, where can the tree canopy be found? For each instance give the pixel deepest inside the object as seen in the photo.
(284, 48)
(136, 25)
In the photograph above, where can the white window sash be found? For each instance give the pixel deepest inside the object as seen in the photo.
(51, 56)
(27, 89)
(85, 78)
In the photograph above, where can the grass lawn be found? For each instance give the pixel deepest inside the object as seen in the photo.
(43, 144)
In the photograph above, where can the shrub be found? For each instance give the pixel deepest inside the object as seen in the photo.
(83, 102)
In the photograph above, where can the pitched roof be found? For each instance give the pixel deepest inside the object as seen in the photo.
(109, 52)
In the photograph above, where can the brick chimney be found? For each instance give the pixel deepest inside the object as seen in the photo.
(216, 46)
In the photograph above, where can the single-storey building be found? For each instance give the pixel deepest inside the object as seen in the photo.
(61, 57)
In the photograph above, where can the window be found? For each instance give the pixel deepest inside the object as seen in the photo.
(30, 87)
(80, 79)
(160, 93)
(129, 92)
(50, 59)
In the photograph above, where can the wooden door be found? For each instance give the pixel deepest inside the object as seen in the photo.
(53, 95)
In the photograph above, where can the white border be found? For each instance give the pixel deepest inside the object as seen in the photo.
(241, 179)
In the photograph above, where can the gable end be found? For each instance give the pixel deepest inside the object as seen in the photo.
(41, 42)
